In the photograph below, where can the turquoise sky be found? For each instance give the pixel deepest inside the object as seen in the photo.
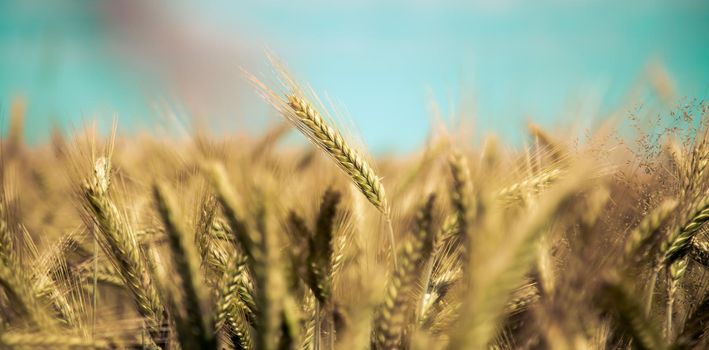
(510, 61)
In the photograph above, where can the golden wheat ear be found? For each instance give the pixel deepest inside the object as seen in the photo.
(295, 107)
(119, 243)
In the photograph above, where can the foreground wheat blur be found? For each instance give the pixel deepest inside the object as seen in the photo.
(239, 243)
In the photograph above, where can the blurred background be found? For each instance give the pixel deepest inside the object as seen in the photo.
(389, 66)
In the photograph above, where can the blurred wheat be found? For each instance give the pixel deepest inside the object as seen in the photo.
(124, 243)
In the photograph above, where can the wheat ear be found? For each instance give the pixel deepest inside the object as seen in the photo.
(6, 241)
(534, 184)
(193, 328)
(120, 245)
(437, 279)
(678, 242)
(226, 197)
(20, 293)
(309, 121)
(306, 118)
(648, 227)
(214, 258)
(391, 319)
(321, 249)
(230, 310)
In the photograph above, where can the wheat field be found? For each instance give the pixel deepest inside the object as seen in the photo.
(137, 242)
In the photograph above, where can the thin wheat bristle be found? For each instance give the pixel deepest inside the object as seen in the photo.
(676, 245)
